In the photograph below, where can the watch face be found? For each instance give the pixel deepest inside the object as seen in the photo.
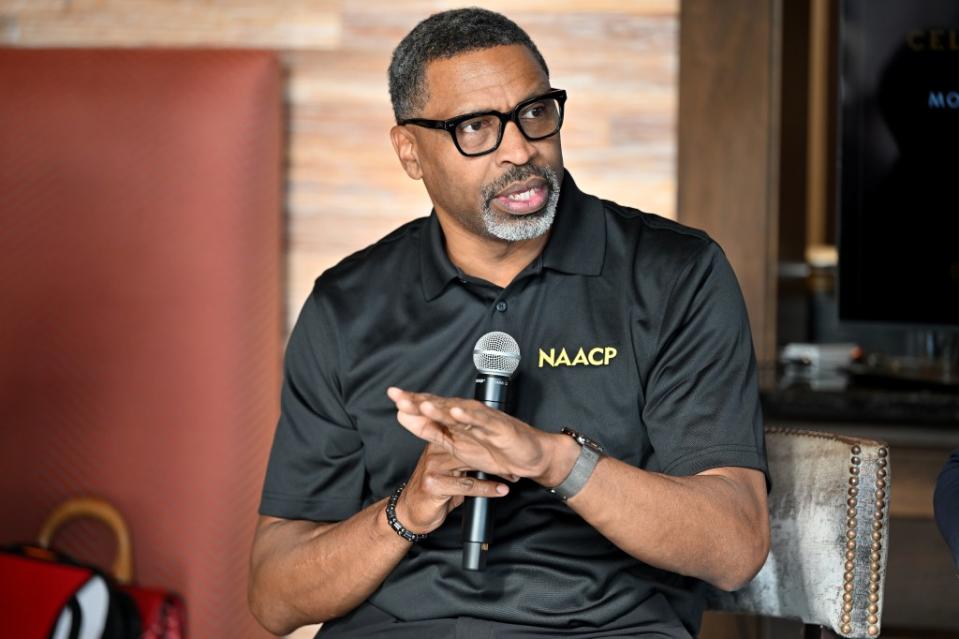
(582, 439)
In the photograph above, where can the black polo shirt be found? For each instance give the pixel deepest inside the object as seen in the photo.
(632, 330)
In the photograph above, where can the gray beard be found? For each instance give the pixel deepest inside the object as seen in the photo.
(522, 227)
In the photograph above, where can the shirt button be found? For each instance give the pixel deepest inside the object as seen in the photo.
(501, 306)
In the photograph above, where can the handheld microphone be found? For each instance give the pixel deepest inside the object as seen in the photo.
(496, 357)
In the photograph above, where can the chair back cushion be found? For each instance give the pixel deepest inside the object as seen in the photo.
(829, 523)
(141, 331)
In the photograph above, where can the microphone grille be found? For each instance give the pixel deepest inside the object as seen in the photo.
(496, 353)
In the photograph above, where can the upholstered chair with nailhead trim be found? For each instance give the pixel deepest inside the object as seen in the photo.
(829, 523)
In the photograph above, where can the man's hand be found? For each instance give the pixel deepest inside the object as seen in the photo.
(438, 485)
(485, 439)
(713, 525)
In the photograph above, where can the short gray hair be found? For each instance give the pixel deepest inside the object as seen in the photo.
(444, 35)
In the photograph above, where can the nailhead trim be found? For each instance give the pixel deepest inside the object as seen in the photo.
(847, 608)
(872, 610)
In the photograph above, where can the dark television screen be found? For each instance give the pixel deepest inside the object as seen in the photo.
(899, 161)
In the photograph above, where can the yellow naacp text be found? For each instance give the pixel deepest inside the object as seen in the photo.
(598, 356)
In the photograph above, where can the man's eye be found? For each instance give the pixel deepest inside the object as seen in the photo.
(534, 111)
(475, 126)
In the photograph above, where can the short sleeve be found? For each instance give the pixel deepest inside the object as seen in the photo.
(702, 405)
(316, 469)
(946, 504)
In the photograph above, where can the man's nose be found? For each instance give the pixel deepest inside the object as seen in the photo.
(515, 148)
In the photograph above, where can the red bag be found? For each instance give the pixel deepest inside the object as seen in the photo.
(46, 595)
(32, 601)
(162, 613)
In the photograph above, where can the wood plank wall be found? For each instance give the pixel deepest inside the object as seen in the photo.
(729, 143)
(345, 189)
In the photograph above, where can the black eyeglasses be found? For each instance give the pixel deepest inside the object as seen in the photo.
(481, 133)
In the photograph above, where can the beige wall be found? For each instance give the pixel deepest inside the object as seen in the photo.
(344, 188)
(617, 60)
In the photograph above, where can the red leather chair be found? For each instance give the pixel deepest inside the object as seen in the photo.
(140, 284)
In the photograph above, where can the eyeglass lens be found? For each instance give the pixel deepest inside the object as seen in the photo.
(537, 120)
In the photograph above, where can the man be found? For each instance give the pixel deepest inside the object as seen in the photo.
(633, 333)
(945, 501)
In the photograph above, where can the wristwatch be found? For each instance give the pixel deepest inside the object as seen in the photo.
(590, 452)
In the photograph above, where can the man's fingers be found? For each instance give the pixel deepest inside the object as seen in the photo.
(468, 415)
(395, 393)
(436, 408)
(443, 462)
(459, 414)
(399, 395)
(408, 406)
(437, 412)
(425, 428)
(445, 486)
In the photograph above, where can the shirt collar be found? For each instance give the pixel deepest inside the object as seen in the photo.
(436, 268)
(577, 242)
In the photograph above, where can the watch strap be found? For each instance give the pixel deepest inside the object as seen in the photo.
(589, 456)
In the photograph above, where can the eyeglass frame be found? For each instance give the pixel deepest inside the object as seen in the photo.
(450, 124)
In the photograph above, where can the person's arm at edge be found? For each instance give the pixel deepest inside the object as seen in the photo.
(296, 567)
(304, 572)
(946, 504)
(713, 525)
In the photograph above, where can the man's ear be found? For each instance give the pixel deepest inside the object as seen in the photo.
(405, 146)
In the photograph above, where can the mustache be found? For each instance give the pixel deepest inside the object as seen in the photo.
(518, 174)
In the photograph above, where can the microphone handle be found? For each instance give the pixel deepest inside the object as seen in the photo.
(477, 516)
(477, 528)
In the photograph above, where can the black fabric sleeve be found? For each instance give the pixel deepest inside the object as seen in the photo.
(946, 504)
(702, 406)
(316, 469)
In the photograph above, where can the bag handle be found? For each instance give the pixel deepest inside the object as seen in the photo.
(101, 510)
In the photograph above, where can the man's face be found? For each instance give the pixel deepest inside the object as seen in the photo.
(511, 193)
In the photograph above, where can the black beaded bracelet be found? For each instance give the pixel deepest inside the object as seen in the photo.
(395, 523)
